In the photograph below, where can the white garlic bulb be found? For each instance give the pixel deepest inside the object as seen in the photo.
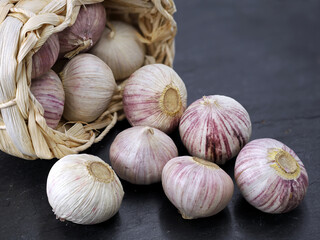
(270, 176)
(83, 189)
(138, 154)
(198, 188)
(89, 85)
(155, 96)
(121, 49)
(215, 128)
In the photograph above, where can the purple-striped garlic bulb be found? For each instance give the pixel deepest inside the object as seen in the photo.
(45, 58)
(85, 32)
(121, 49)
(270, 176)
(83, 189)
(48, 90)
(196, 187)
(155, 96)
(215, 128)
(89, 85)
(138, 154)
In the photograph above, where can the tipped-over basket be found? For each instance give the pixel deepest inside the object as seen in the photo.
(25, 25)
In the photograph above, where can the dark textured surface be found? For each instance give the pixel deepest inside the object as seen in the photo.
(266, 55)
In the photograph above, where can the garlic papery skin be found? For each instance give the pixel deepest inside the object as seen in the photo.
(155, 96)
(85, 32)
(45, 58)
(83, 189)
(196, 187)
(215, 128)
(89, 85)
(121, 49)
(270, 176)
(48, 90)
(138, 154)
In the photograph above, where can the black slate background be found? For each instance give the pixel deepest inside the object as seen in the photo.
(266, 55)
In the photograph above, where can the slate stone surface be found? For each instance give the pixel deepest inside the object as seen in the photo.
(266, 55)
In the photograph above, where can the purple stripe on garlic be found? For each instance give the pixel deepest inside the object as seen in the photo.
(138, 154)
(270, 176)
(85, 32)
(48, 90)
(83, 189)
(45, 58)
(215, 128)
(198, 188)
(89, 86)
(155, 96)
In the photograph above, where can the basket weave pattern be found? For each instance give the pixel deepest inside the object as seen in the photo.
(25, 25)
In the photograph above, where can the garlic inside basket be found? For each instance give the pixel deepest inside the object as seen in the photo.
(25, 26)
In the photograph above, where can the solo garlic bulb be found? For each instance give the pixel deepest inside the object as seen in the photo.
(155, 96)
(89, 85)
(48, 90)
(196, 187)
(138, 154)
(85, 32)
(270, 176)
(121, 49)
(83, 189)
(45, 58)
(215, 128)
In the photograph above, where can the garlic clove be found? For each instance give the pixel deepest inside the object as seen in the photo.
(85, 32)
(215, 128)
(83, 189)
(48, 90)
(197, 188)
(45, 58)
(155, 96)
(89, 86)
(138, 154)
(120, 49)
(270, 176)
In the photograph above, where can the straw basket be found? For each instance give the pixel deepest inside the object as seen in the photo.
(24, 27)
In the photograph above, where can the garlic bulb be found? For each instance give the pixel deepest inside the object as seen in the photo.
(270, 176)
(89, 85)
(121, 49)
(215, 128)
(45, 58)
(196, 187)
(48, 90)
(83, 189)
(155, 96)
(138, 154)
(85, 32)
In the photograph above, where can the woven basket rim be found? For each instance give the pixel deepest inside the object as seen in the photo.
(23, 130)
